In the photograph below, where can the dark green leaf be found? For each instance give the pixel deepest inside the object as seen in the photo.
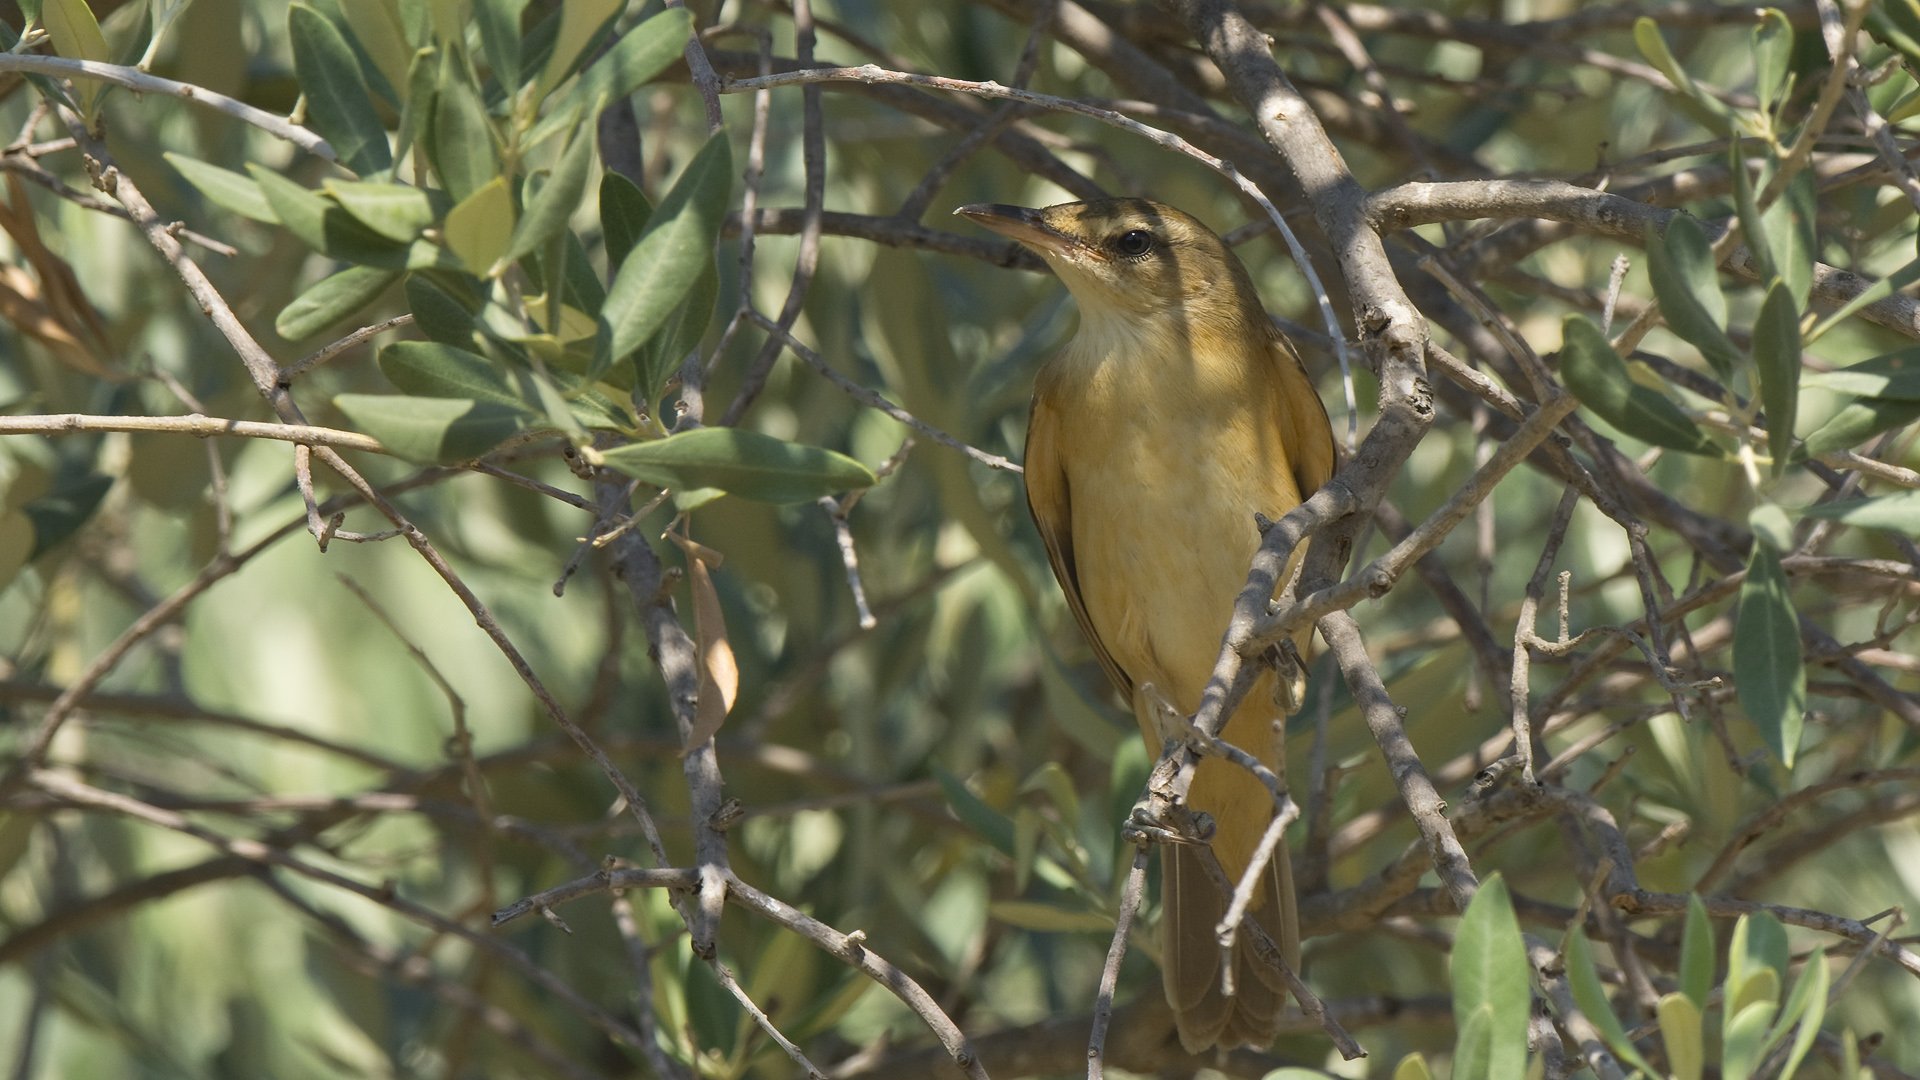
(432, 430)
(679, 240)
(1857, 422)
(1776, 361)
(1899, 513)
(1598, 377)
(645, 51)
(1696, 953)
(59, 513)
(1772, 49)
(1892, 34)
(624, 211)
(558, 198)
(590, 407)
(1591, 996)
(1490, 972)
(662, 356)
(1768, 671)
(339, 106)
(431, 369)
(437, 314)
(395, 211)
(996, 828)
(1751, 228)
(460, 138)
(332, 299)
(743, 463)
(1895, 376)
(1688, 288)
(499, 22)
(225, 188)
(416, 116)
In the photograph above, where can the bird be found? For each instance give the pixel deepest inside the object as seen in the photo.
(1176, 414)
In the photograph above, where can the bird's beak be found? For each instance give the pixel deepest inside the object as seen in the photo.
(1022, 224)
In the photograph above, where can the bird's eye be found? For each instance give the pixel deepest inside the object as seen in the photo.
(1134, 244)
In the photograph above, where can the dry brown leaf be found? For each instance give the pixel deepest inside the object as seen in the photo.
(57, 303)
(719, 674)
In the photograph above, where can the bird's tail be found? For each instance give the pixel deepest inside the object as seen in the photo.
(1192, 908)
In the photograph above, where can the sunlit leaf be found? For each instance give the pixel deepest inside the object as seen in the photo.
(642, 53)
(579, 20)
(1706, 110)
(76, 36)
(1490, 973)
(1596, 375)
(741, 462)
(1858, 421)
(339, 106)
(1772, 51)
(479, 228)
(1411, 1067)
(1895, 376)
(1808, 1006)
(661, 357)
(432, 430)
(1680, 1031)
(1768, 671)
(226, 188)
(395, 211)
(1745, 1035)
(377, 26)
(332, 299)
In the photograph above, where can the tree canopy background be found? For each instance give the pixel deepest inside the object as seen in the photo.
(434, 615)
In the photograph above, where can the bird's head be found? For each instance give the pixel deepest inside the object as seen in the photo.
(1131, 258)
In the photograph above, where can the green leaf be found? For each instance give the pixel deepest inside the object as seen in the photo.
(432, 430)
(662, 356)
(1776, 361)
(1772, 52)
(1596, 375)
(1745, 1034)
(679, 240)
(332, 299)
(1767, 948)
(741, 462)
(1898, 513)
(992, 825)
(325, 226)
(431, 369)
(1049, 918)
(339, 106)
(499, 22)
(1789, 228)
(624, 211)
(460, 138)
(376, 25)
(1696, 953)
(1858, 421)
(437, 314)
(1810, 994)
(395, 211)
(225, 188)
(16, 549)
(76, 36)
(59, 513)
(1591, 996)
(1490, 972)
(1768, 671)
(479, 228)
(557, 199)
(1890, 34)
(645, 51)
(1708, 111)
(1751, 229)
(1688, 288)
(1473, 1046)
(1680, 1030)
(1412, 1067)
(1895, 376)
(579, 21)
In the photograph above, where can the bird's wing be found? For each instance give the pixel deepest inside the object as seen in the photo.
(1305, 431)
(1052, 506)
